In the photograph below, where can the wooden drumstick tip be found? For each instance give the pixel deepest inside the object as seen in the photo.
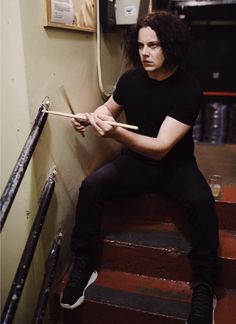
(66, 97)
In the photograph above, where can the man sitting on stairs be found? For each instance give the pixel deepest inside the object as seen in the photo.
(164, 101)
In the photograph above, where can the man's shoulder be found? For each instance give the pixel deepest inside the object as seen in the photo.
(189, 78)
(132, 73)
(188, 83)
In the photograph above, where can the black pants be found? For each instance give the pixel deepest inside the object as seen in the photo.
(129, 175)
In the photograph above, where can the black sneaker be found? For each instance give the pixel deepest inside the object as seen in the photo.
(203, 305)
(81, 277)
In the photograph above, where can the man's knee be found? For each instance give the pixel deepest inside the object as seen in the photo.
(201, 198)
(202, 211)
(95, 184)
(89, 185)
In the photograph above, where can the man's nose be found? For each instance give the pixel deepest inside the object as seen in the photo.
(145, 50)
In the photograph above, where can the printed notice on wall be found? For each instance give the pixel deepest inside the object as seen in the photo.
(62, 11)
(130, 10)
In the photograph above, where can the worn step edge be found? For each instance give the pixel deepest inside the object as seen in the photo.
(144, 299)
(166, 236)
(163, 255)
(95, 312)
(144, 303)
(167, 291)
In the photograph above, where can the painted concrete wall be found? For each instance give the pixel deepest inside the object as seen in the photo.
(35, 62)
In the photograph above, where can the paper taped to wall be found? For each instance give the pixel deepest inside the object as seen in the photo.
(62, 11)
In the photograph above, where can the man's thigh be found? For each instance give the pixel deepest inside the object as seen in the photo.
(185, 183)
(126, 175)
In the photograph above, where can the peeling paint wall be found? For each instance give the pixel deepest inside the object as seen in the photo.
(35, 63)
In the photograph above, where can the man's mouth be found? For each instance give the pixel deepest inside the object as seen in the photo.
(147, 62)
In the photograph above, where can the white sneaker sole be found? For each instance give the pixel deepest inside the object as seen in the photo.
(81, 299)
(213, 310)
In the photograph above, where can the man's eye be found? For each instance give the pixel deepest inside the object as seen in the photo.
(153, 46)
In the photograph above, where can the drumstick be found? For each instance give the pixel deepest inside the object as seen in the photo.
(81, 117)
(65, 95)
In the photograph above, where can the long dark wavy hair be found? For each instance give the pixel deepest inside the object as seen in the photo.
(173, 34)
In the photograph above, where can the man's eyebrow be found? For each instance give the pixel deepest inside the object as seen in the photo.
(151, 42)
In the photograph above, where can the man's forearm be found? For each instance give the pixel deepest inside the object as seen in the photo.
(103, 110)
(151, 147)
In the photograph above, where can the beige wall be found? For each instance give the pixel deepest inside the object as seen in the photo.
(35, 62)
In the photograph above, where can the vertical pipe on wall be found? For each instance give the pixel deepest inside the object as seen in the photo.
(104, 92)
(26, 258)
(18, 172)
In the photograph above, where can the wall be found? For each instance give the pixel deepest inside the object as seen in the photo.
(35, 62)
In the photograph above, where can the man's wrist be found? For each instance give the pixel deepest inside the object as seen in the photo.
(117, 135)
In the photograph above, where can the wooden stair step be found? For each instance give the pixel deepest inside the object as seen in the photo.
(118, 297)
(145, 272)
(153, 208)
(160, 250)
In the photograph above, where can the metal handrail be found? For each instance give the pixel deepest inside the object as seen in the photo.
(23, 267)
(18, 172)
(49, 273)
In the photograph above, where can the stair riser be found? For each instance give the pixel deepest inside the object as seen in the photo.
(156, 208)
(227, 216)
(100, 313)
(118, 297)
(158, 263)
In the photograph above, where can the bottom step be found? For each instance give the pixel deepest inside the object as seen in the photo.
(118, 297)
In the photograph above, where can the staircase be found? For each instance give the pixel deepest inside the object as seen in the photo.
(145, 276)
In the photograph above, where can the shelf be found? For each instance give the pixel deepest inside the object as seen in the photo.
(219, 93)
(197, 3)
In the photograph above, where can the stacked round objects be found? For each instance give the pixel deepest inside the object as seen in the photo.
(215, 122)
(231, 138)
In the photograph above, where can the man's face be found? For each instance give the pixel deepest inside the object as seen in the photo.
(150, 52)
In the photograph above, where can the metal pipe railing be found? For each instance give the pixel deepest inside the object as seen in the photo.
(26, 258)
(21, 166)
(50, 268)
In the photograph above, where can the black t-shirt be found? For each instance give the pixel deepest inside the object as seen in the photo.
(147, 102)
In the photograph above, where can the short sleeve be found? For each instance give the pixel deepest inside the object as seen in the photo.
(187, 105)
(122, 88)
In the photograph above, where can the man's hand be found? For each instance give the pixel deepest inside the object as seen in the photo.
(98, 122)
(97, 119)
(79, 125)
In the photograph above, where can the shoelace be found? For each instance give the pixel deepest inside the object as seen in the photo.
(202, 300)
(77, 271)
